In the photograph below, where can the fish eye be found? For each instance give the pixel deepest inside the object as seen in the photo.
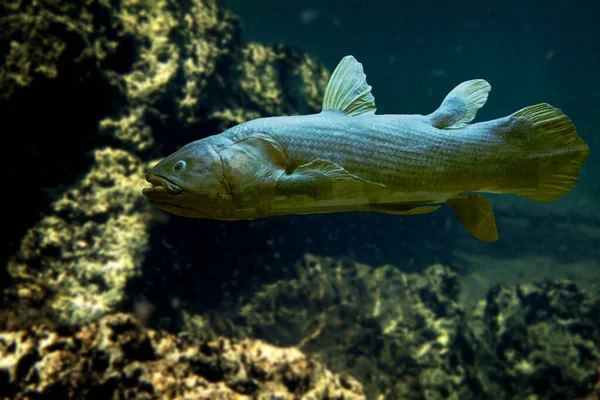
(179, 165)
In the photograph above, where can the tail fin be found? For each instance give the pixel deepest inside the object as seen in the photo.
(551, 152)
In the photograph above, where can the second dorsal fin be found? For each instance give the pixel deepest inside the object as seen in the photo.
(348, 91)
(460, 105)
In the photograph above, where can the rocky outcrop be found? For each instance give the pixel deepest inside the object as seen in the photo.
(118, 357)
(143, 68)
(402, 335)
(77, 260)
(405, 336)
(399, 333)
(136, 80)
(539, 340)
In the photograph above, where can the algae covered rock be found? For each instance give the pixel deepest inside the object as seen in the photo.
(78, 259)
(177, 51)
(118, 357)
(141, 78)
(396, 332)
(406, 336)
(539, 340)
(143, 68)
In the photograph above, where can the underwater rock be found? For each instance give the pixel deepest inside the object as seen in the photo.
(178, 48)
(156, 66)
(118, 357)
(78, 259)
(145, 76)
(396, 332)
(539, 340)
(405, 335)
(265, 80)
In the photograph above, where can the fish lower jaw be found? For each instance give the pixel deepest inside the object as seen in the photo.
(176, 209)
(159, 182)
(154, 189)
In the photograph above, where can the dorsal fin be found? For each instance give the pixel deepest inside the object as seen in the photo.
(461, 104)
(348, 91)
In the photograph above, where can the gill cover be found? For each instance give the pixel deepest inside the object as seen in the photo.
(251, 168)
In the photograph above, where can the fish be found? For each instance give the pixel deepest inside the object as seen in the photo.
(348, 158)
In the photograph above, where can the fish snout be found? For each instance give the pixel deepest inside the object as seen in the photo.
(161, 184)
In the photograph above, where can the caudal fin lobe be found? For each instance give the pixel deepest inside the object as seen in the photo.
(549, 153)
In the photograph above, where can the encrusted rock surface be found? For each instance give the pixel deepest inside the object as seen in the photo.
(153, 66)
(178, 48)
(405, 336)
(118, 358)
(140, 79)
(396, 332)
(78, 259)
(402, 335)
(539, 340)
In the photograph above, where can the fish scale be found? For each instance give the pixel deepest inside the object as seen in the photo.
(369, 147)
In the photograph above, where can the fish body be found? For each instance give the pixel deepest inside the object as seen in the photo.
(347, 158)
(403, 152)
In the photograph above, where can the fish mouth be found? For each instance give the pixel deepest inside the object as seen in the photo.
(160, 185)
(163, 193)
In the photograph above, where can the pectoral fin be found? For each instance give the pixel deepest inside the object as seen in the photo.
(323, 179)
(476, 214)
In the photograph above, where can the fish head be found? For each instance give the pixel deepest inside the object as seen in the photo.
(190, 183)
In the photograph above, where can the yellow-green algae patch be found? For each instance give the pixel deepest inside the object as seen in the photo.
(78, 260)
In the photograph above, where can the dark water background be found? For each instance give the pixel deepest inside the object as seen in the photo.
(414, 52)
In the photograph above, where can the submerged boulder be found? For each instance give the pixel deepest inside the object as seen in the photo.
(118, 357)
(398, 333)
(77, 260)
(538, 340)
(406, 335)
(92, 94)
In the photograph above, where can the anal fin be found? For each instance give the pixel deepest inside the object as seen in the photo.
(476, 214)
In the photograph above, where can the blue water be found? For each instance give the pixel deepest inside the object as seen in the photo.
(415, 52)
